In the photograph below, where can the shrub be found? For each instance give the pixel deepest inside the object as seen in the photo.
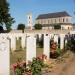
(38, 26)
(32, 68)
(37, 65)
(56, 53)
(71, 44)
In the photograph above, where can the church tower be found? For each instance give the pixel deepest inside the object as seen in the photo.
(29, 21)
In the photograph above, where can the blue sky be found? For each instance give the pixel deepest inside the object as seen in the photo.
(20, 8)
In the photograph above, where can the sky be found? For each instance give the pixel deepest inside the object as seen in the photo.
(20, 8)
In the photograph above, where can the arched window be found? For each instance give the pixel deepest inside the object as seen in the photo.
(63, 20)
(68, 28)
(29, 17)
(59, 20)
(67, 20)
(55, 20)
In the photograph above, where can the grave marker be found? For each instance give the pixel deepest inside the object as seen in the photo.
(31, 48)
(4, 57)
(46, 45)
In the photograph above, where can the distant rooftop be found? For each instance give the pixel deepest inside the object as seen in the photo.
(53, 15)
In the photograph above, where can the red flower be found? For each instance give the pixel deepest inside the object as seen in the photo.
(14, 66)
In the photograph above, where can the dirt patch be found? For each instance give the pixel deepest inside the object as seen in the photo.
(62, 66)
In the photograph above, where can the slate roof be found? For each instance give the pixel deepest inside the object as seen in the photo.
(53, 15)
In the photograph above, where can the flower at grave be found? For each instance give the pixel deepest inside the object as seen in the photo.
(28, 73)
(29, 62)
(39, 58)
(44, 57)
(23, 65)
(14, 66)
(28, 67)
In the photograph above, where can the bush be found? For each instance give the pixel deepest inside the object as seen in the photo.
(31, 68)
(71, 44)
(56, 53)
(36, 66)
(38, 26)
(57, 26)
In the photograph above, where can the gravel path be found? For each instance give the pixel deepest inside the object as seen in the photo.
(69, 69)
(64, 68)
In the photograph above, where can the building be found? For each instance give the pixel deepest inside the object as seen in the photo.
(29, 21)
(50, 20)
(74, 26)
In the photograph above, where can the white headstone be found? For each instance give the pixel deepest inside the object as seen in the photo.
(40, 36)
(30, 48)
(62, 41)
(17, 38)
(13, 43)
(23, 40)
(46, 45)
(4, 57)
(56, 38)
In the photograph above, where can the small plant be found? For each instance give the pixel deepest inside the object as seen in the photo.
(31, 68)
(19, 68)
(59, 51)
(37, 65)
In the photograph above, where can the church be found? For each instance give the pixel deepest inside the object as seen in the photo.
(61, 20)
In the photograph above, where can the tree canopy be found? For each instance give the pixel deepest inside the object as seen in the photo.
(38, 26)
(21, 27)
(57, 26)
(1, 29)
(5, 17)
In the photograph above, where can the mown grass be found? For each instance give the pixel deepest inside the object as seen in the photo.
(21, 54)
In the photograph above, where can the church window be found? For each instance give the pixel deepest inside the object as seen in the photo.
(55, 20)
(29, 17)
(59, 20)
(63, 19)
(67, 20)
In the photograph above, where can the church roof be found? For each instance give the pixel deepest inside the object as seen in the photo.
(53, 15)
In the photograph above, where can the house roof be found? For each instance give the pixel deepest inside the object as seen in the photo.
(53, 15)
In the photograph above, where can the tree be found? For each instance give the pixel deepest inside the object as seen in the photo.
(57, 26)
(1, 29)
(21, 27)
(5, 17)
(38, 26)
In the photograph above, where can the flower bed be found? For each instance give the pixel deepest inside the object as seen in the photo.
(30, 68)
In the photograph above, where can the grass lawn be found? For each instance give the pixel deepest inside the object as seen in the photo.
(21, 54)
(14, 56)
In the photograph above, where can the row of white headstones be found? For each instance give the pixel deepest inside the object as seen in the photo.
(30, 48)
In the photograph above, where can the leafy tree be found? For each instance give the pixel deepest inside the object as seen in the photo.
(21, 27)
(38, 26)
(5, 17)
(1, 29)
(57, 26)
